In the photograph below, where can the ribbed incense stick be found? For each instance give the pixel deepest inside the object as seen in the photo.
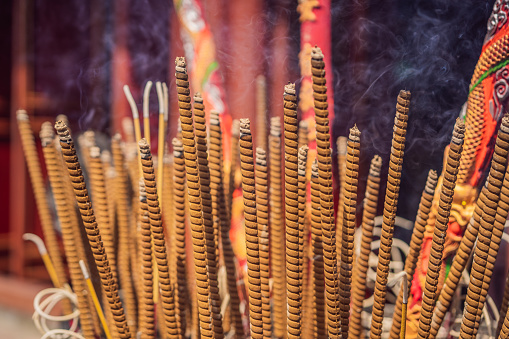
(217, 184)
(56, 178)
(327, 204)
(93, 234)
(123, 218)
(362, 265)
(146, 307)
(303, 133)
(261, 112)
(234, 166)
(179, 211)
(347, 245)
(293, 269)
(35, 173)
(165, 285)
(262, 218)
(342, 149)
(306, 327)
(440, 229)
(415, 247)
(168, 213)
(277, 233)
(389, 214)
(503, 307)
(489, 236)
(251, 229)
(207, 328)
(319, 320)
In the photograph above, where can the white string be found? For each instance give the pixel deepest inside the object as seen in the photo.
(44, 302)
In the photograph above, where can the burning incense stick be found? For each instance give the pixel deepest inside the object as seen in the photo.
(156, 229)
(70, 239)
(362, 265)
(93, 233)
(179, 211)
(34, 171)
(440, 230)
(262, 218)
(216, 173)
(210, 324)
(123, 219)
(146, 112)
(251, 229)
(261, 112)
(488, 240)
(147, 316)
(97, 305)
(293, 269)
(415, 248)
(161, 137)
(350, 205)
(319, 323)
(277, 232)
(327, 203)
(389, 214)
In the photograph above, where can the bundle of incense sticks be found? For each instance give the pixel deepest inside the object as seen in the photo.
(305, 276)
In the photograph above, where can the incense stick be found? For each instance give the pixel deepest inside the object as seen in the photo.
(362, 265)
(342, 149)
(389, 214)
(146, 113)
(303, 235)
(261, 112)
(93, 233)
(440, 229)
(134, 111)
(415, 248)
(161, 137)
(216, 173)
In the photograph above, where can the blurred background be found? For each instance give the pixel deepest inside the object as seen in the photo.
(73, 57)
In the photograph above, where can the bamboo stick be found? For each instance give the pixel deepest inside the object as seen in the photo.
(146, 112)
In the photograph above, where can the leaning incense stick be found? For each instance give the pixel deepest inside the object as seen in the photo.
(349, 209)
(444, 207)
(490, 232)
(146, 308)
(97, 305)
(362, 265)
(415, 248)
(70, 239)
(293, 290)
(146, 113)
(207, 328)
(277, 232)
(34, 171)
(327, 203)
(404, 304)
(93, 233)
(179, 211)
(262, 218)
(156, 229)
(216, 174)
(319, 319)
(251, 229)
(161, 137)
(389, 214)
(261, 112)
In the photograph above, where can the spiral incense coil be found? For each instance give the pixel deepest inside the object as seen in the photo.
(293, 267)
(350, 206)
(327, 203)
(440, 230)
(415, 247)
(210, 323)
(94, 238)
(262, 218)
(159, 244)
(147, 315)
(179, 211)
(317, 275)
(121, 185)
(341, 144)
(277, 232)
(39, 188)
(458, 265)
(98, 190)
(56, 177)
(490, 233)
(389, 214)
(362, 264)
(251, 229)
(216, 176)
(503, 307)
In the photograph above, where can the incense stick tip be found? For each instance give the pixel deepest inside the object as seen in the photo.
(458, 134)
(376, 164)
(63, 131)
(198, 97)
(245, 127)
(144, 148)
(47, 134)
(314, 169)
(95, 152)
(504, 125)
(180, 65)
(21, 114)
(316, 53)
(178, 148)
(214, 118)
(275, 126)
(290, 89)
(261, 156)
(355, 134)
(431, 182)
(302, 160)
